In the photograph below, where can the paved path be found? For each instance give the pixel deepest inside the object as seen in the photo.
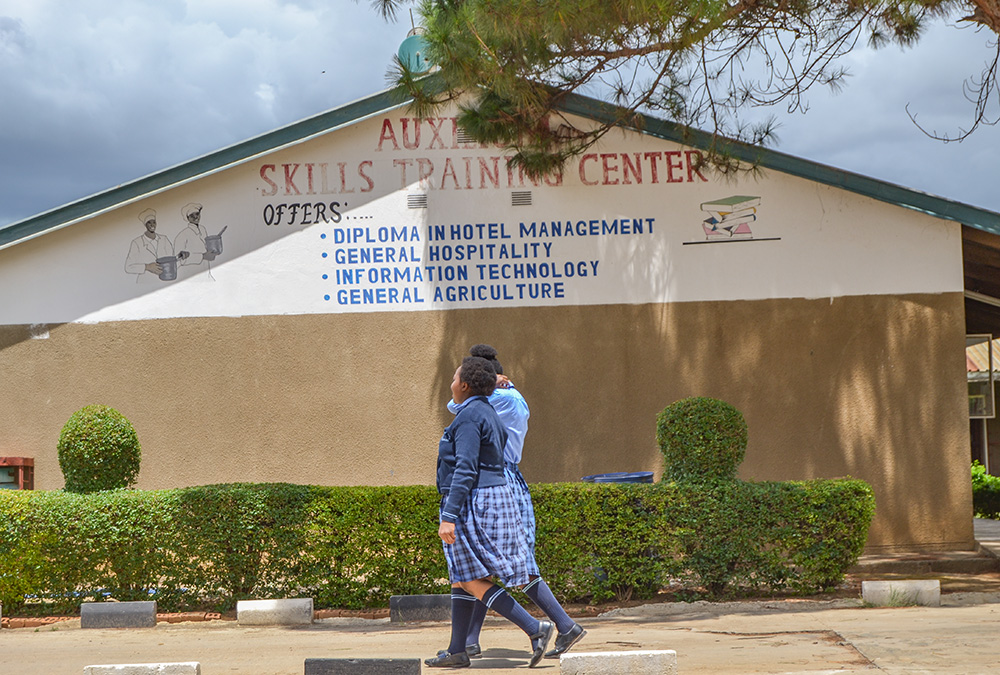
(987, 533)
(787, 636)
(774, 637)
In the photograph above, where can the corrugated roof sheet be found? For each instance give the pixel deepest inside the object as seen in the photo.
(977, 357)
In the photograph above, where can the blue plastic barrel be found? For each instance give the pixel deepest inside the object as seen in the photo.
(620, 477)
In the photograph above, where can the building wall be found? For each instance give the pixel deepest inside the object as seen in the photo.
(834, 322)
(854, 387)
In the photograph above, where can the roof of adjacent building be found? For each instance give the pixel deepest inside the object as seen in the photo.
(981, 356)
(384, 101)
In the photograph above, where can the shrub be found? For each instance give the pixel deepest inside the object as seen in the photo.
(208, 547)
(702, 439)
(98, 450)
(605, 540)
(985, 493)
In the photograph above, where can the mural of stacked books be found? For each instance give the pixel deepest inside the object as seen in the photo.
(730, 219)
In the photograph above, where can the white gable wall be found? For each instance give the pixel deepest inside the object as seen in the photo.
(805, 236)
(833, 321)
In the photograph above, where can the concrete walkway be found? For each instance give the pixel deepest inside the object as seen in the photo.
(787, 636)
(987, 533)
(776, 637)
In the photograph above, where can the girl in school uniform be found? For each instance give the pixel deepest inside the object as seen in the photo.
(480, 521)
(513, 412)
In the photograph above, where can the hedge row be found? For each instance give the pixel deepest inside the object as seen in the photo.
(352, 547)
(985, 493)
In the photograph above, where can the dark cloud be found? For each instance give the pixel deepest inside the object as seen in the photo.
(100, 92)
(867, 127)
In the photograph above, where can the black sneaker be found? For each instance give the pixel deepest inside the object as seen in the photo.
(540, 640)
(446, 660)
(566, 640)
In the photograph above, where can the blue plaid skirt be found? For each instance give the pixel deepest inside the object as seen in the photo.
(523, 496)
(489, 539)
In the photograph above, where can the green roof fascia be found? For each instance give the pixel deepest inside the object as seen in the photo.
(214, 161)
(940, 207)
(572, 103)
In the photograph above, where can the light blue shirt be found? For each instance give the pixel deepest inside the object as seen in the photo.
(513, 412)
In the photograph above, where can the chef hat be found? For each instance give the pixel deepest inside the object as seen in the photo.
(147, 215)
(189, 209)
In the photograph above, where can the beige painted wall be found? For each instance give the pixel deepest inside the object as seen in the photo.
(868, 386)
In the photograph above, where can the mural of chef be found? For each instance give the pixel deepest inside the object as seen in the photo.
(192, 239)
(150, 256)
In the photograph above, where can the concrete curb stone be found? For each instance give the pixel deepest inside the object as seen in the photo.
(141, 614)
(902, 592)
(362, 667)
(651, 662)
(187, 668)
(284, 612)
(403, 608)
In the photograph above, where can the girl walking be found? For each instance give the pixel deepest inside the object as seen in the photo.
(480, 523)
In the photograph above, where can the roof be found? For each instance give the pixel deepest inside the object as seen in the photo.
(389, 99)
(977, 356)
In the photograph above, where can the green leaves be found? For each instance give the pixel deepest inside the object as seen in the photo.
(353, 547)
(701, 439)
(985, 493)
(698, 62)
(98, 450)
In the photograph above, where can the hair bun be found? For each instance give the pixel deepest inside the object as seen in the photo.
(484, 351)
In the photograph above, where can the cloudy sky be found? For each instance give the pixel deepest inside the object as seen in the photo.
(94, 93)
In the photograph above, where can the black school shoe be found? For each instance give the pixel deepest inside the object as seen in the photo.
(566, 640)
(446, 660)
(540, 640)
(474, 651)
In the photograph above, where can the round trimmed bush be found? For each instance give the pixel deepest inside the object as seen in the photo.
(98, 450)
(701, 439)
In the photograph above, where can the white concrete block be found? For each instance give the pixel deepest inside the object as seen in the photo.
(290, 612)
(902, 592)
(189, 668)
(659, 662)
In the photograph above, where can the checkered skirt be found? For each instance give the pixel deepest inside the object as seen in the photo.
(489, 539)
(523, 496)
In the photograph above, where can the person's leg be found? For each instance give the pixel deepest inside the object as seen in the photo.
(475, 627)
(462, 604)
(500, 601)
(570, 632)
(541, 595)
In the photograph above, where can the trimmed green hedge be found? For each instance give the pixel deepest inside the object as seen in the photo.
(352, 547)
(985, 493)
(701, 439)
(98, 450)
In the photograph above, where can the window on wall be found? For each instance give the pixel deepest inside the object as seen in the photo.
(17, 473)
(979, 374)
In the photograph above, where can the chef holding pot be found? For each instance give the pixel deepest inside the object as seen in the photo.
(150, 256)
(192, 238)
